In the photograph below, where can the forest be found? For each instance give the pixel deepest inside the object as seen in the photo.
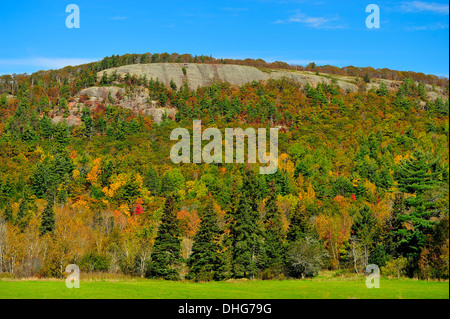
(363, 178)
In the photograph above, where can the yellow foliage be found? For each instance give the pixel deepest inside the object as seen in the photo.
(92, 176)
(76, 174)
(371, 188)
(285, 164)
(117, 181)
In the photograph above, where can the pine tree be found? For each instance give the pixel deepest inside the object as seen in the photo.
(152, 181)
(246, 232)
(299, 226)
(364, 229)
(416, 175)
(273, 232)
(48, 219)
(8, 214)
(23, 215)
(166, 255)
(205, 262)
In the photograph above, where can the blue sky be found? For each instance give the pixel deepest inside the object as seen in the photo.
(413, 36)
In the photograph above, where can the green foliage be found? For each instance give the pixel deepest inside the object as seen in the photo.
(305, 258)
(344, 155)
(172, 181)
(48, 219)
(94, 262)
(274, 249)
(206, 262)
(8, 214)
(395, 267)
(166, 255)
(246, 230)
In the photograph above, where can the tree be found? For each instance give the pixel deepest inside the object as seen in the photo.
(86, 118)
(273, 232)
(172, 181)
(364, 231)
(299, 226)
(383, 90)
(8, 213)
(48, 219)
(416, 175)
(23, 215)
(166, 255)
(205, 262)
(367, 78)
(305, 258)
(246, 231)
(152, 181)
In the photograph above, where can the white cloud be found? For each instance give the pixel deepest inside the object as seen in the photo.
(431, 27)
(45, 63)
(313, 22)
(420, 6)
(119, 18)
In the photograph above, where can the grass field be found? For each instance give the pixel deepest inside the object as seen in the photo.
(325, 288)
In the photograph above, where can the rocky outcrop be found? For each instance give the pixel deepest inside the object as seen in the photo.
(198, 75)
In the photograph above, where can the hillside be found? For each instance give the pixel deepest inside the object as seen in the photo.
(86, 175)
(199, 75)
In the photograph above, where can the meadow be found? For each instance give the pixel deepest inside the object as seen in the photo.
(322, 287)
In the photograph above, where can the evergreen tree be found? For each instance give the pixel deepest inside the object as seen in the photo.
(299, 226)
(23, 215)
(205, 263)
(364, 229)
(416, 175)
(152, 181)
(166, 255)
(86, 118)
(246, 230)
(107, 171)
(48, 219)
(8, 214)
(383, 90)
(273, 232)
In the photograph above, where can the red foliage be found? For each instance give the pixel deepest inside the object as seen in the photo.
(138, 210)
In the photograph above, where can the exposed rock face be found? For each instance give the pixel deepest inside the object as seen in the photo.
(198, 75)
(137, 101)
(207, 74)
(101, 93)
(71, 120)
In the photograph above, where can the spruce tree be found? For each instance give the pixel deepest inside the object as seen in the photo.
(273, 232)
(8, 214)
(246, 231)
(23, 215)
(205, 262)
(166, 256)
(416, 175)
(299, 225)
(152, 181)
(48, 219)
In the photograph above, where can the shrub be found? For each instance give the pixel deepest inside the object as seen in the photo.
(94, 262)
(305, 258)
(395, 267)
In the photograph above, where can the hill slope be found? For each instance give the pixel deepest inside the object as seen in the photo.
(199, 75)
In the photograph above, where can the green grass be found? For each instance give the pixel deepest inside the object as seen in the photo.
(325, 288)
